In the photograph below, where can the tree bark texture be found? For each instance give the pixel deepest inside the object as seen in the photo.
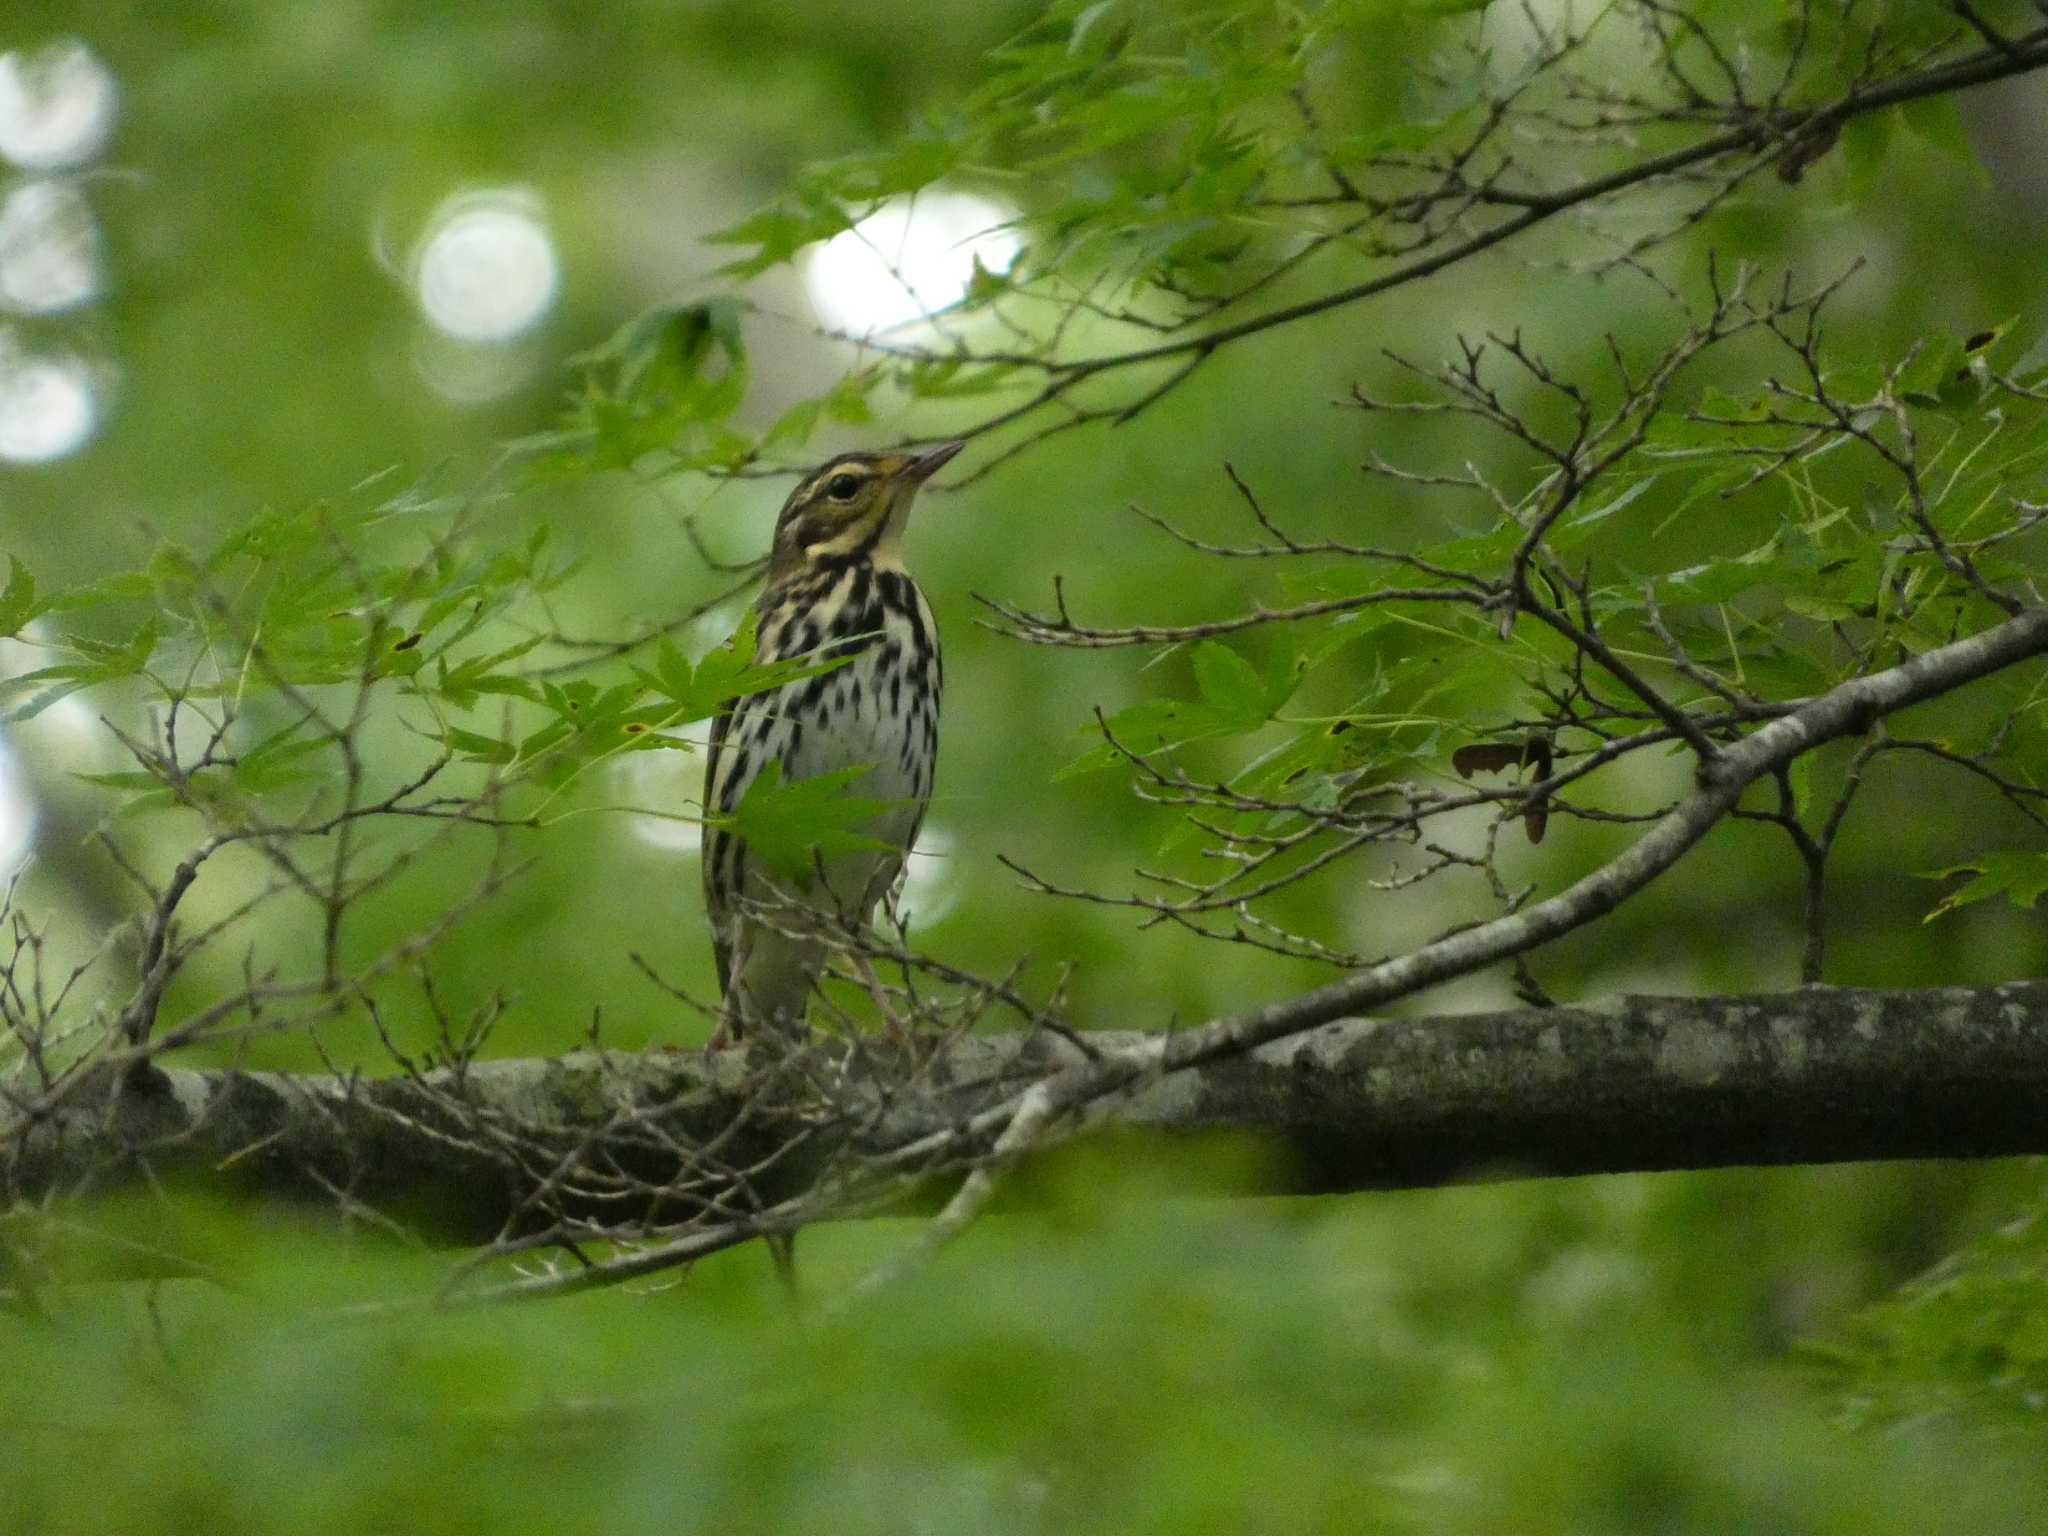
(1815, 1075)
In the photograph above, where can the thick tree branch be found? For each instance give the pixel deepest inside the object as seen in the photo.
(1848, 709)
(1818, 1074)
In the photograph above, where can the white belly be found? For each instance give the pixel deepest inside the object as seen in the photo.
(864, 723)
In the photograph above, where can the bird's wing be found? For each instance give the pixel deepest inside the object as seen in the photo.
(716, 853)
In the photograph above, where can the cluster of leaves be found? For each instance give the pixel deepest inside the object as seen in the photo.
(1163, 151)
(1164, 142)
(1126, 1363)
(1176, 162)
(301, 600)
(663, 389)
(1966, 1343)
(283, 633)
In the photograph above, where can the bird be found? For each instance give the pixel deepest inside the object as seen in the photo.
(837, 590)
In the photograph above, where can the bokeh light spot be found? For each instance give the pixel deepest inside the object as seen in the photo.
(57, 106)
(929, 889)
(17, 813)
(908, 259)
(469, 372)
(49, 249)
(485, 270)
(665, 789)
(47, 405)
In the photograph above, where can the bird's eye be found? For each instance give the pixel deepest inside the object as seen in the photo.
(842, 487)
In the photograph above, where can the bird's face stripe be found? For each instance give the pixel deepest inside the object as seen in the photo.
(850, 511)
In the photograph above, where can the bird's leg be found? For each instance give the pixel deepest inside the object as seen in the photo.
(773, 978)
(782, 1251)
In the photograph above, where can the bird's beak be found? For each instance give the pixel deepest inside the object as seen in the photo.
(923, 467)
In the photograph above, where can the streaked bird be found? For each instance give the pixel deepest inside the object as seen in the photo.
(836, 587)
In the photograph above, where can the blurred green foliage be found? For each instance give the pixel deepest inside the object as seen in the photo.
(1584, 1357)
(1965, 1345)
(1569, 1357)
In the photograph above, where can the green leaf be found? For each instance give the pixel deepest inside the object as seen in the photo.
(1230, 684)
(1928, 378)
(777, 234)
(464, 682)
(274, 763)
(727, 672)
(1788, 558)
(1236, 698)
(1935, 121)
(42, 701)
(1855, 382)
(662, 384)
(2019, 877)
(1801, 776)
(793, 428)
(1090, 32)
(848, 399)
(133, 779)
(1155, 726)
(673, 673)
(1982, 343)
(479, 748)
(173, 567)
(1285, 667)
(1824, 610)
(99, 661)
(128, 586)
(1577, 528)
(18, 602)
(1865, 139)
(946, 379)
(789, 826)
(1476, 551)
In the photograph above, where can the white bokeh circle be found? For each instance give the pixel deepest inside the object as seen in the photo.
(486, 269)
(908, 259)
(57, 106)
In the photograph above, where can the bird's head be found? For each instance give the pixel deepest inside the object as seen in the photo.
(853, 508)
